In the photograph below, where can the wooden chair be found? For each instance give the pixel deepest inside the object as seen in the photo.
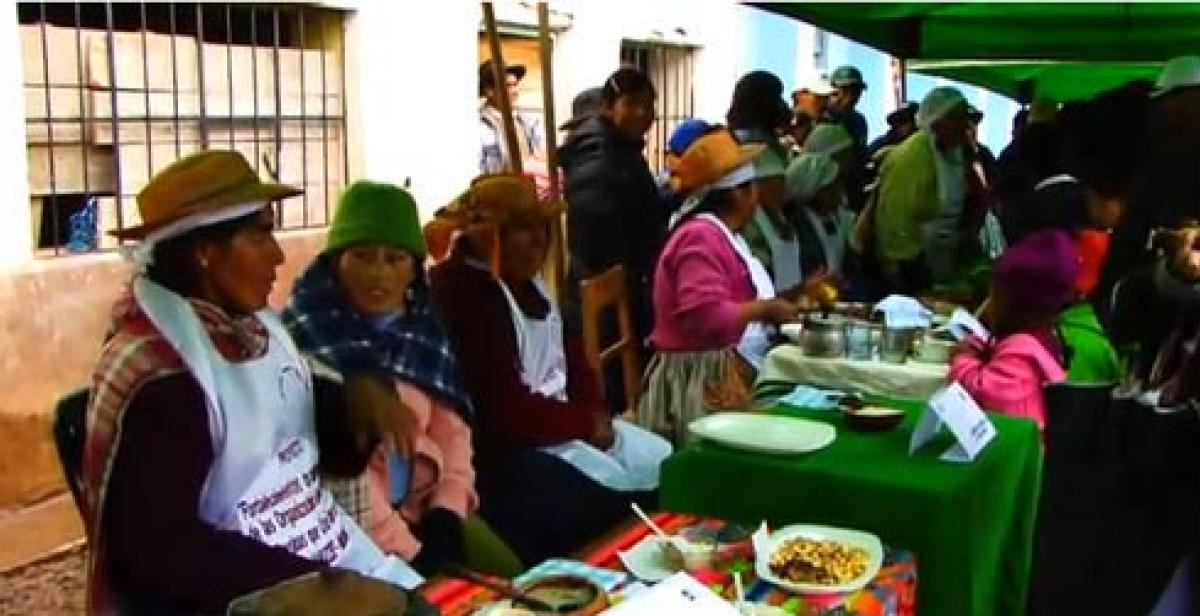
(70, 426)
(600, 293)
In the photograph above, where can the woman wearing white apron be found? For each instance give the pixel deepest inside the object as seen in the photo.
(769, 234)
(200, 463)
(818, 210)
(554, 468)
(714, 303)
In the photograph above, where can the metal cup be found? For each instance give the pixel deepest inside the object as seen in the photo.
(895, 345)
(858, 340)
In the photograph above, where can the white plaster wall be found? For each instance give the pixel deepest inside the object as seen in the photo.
(411, 96)
(16, 244)
(590, 50)
(411, 70)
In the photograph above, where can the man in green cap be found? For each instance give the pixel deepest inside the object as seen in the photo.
(848, 86)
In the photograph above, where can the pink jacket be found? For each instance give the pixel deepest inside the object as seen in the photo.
(699, 285)
(1007, 376)
(442, 474)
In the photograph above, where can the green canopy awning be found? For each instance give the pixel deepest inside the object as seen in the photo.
(1095, 32)
(1055, 80)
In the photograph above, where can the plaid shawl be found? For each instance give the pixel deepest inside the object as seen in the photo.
(134, 354)
(413, 347)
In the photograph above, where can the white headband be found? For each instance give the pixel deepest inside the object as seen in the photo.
(141, 254)
(735, 178)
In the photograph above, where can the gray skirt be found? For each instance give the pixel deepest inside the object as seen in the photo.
(682, 387)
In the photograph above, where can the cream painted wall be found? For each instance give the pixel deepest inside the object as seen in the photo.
(411, 96)
(590, 50)
(16, 244)
(411, 92)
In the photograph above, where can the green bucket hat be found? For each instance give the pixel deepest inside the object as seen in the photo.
(376, 212)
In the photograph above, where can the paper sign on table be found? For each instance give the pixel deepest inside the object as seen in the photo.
(957, 410)
(963, 324)
(678, 594)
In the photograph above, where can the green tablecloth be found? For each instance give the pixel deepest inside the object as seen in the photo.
(971, 525)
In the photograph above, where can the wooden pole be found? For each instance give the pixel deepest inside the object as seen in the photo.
(546, 48)
(500, 81)
(557, 263)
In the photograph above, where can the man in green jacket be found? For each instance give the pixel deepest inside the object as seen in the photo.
(922, 189)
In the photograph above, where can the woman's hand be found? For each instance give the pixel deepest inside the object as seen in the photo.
(966, 345)
(441, 534)
(375, 412)
(821, 287)
(773, 311)
(603, 437)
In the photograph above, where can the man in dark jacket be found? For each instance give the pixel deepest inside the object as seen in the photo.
(902, 123)
(613, 212)
(848, 88)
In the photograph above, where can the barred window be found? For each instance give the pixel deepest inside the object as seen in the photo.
(671, 69)
(115, 92)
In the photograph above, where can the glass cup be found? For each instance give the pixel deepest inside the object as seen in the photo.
(895, 345)
(858, 340)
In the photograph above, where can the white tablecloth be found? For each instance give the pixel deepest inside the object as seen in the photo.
(913, 380)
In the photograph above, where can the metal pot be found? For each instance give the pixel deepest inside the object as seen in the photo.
(823, 337)
(895, 345)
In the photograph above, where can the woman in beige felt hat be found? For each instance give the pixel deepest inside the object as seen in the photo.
(714, 302)
(554, 469)
(200, 462)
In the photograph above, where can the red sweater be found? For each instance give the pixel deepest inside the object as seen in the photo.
(509, 413)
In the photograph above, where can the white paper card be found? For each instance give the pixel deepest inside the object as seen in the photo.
(927, 427)
(678, 594)
(963, 324)
(957, 410)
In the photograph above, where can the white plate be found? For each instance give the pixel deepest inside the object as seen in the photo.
(646, 562)
(866, 541)
(764, 433)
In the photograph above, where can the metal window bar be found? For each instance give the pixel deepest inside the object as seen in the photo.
(343, 125)
(95, 24)
(200, 76)
(254, 83)
(146, 95)
(83, 153)
(277, 171)
(229, 66)
(303, 123)
(324, 115)
(116, 128)
(174, 79)
(49, 129)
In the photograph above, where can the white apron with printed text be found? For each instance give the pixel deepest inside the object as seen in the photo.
(264, 482)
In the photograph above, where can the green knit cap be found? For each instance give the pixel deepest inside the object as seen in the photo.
(376, 212)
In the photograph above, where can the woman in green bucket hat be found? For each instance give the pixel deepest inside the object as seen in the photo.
(362, 308)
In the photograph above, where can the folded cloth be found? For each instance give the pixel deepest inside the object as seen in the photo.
(806, 397)
(903, 311)
(604, 578)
